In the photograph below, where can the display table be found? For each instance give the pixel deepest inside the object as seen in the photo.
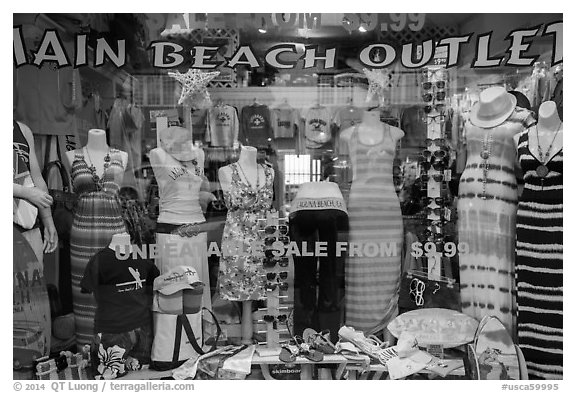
(307, 366)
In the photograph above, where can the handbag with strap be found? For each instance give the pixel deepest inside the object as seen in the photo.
(178, 338)
(64, 200)
(419, 291)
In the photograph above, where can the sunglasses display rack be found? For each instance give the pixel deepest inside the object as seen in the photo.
(433, 169)
(274, 235)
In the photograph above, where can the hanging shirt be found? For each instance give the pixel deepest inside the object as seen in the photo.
(283, 120)
(122, 289)
(317, 127)
(199, 120)
(256, 128)
(24, 213)
(222, 126)
(345, 118)
(48, 98)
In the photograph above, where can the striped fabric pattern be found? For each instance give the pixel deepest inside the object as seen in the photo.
(488, 226)
(539, 265)
(372, 282)
(97, 217)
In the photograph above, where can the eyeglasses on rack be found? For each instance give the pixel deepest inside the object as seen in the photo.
(271, 318)
(441, 153)
(270, 240)
(439, 107)
(438, 96)
(271, 229)
(271, 262)
(440, 142)
(270, 286)
(440, 85)
(437, 164)
(439, 177)
(440, 201)
(272, 275)
(438, 119)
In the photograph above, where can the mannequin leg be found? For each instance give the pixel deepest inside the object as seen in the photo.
(247, 324)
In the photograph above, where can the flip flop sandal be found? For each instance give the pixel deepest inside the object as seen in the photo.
(320, 341)
(307, 352)
(287, 354)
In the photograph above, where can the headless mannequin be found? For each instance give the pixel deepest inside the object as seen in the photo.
(548, 123)
(321, 189)
(255, 174)
(370, 130)
(97, 149)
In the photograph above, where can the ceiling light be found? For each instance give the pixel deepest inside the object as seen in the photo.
(362, 29)
(262, 30)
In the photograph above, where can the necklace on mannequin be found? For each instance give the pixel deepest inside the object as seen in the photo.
(542, 170)
(248, 181)
(485, 155)
(92, 168)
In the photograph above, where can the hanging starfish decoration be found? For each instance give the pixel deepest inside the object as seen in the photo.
(378, 83)
(194, 84)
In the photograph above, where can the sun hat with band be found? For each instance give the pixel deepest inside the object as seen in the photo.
(177, 141)
(495, 106)
(177, 291)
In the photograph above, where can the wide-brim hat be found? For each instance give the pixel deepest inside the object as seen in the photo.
(177, 141)
(495, 106)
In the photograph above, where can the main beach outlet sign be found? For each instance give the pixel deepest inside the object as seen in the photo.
(166, 54)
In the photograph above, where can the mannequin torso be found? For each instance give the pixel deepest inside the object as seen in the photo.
(249, 170)
(179, 186)
(544, 133)
(95, 152)
(371, 131)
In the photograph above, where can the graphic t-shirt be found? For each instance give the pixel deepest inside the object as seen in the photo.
(283, 121)
(123, 290)
(256, 127)
(222, 126)
(345, 118)
(317, 127)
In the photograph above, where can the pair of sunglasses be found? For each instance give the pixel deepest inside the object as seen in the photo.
(441, 153)
(438, 119)
(440, 85)
(440, 142)
(271, 318)
(271, 276)
(439, 96)
(270, 286)
(436, 164)
(440, 107)
(271, 229)
(437, 177)
(271, 262)
(437, 200)
(268, 241)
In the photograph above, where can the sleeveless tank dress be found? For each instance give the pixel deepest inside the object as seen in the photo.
(242, 277)
(97, 217)
(373, 278)
(539, 264)
(487, 221)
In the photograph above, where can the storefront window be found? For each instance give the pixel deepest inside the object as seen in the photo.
(307, 178)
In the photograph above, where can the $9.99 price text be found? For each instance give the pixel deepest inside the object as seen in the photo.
(431, 249)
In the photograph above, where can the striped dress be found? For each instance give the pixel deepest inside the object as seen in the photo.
(97, 217)
(488, 226)
(539, 265)
(373, 269)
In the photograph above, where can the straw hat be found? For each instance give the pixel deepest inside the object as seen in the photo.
(495, 106)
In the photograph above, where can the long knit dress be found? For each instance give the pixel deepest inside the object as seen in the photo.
(97, 217)
(539, 264)
(373, 277)
(487, 221)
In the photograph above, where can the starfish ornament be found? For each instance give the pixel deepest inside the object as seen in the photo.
(194, 85)
(378, 83)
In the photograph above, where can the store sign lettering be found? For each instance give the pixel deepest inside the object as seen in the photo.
(412, 55)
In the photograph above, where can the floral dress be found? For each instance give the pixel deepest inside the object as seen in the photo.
(241, 275)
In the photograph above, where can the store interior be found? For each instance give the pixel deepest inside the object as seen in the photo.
(395, 234)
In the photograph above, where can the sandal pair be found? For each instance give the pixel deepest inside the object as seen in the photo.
(319, 340)
(289, 353)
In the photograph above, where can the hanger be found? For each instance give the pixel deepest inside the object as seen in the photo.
(255, 102)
